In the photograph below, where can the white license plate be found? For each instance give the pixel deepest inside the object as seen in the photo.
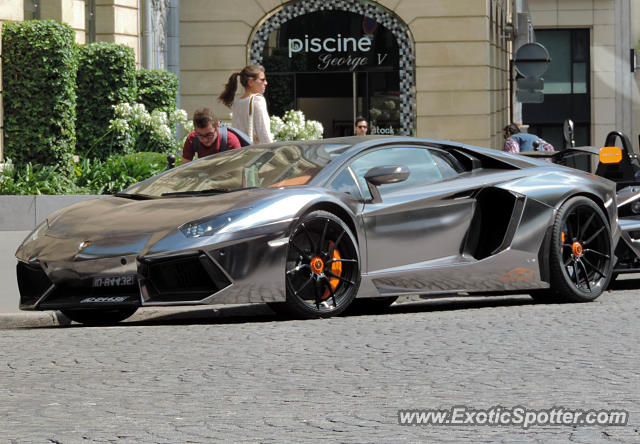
(114, 281)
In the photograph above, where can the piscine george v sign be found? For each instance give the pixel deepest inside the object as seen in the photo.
(335, 41)
(338, 51)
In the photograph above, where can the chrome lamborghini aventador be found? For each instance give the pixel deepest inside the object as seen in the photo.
(308, 227)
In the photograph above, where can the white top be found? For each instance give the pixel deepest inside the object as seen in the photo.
(261, 121)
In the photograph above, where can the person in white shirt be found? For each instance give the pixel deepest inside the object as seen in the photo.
(250, 113)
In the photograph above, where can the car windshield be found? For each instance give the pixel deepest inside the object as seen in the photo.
(273, 166)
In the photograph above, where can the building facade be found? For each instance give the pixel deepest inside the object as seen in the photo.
(433, 68)
(591, 78)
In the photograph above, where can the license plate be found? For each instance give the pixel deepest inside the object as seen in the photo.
(115, 281)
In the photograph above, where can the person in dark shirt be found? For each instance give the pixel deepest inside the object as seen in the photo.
(361, 126)
(205, 138)
(517, 142)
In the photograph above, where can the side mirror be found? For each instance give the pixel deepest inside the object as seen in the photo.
(383, 175)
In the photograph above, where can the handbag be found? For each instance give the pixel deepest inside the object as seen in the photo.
(251, 118)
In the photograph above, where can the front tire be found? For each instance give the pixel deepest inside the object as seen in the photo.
(322, 271)
(581, 252)
(99, 316)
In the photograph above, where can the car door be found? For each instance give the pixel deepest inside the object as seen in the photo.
(420, 221)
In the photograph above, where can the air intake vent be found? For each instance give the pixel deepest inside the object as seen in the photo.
(32, 283)
(189, 278)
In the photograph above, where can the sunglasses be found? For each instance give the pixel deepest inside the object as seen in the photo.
(206, 136)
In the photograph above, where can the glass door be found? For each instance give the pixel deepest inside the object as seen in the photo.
(566, 88)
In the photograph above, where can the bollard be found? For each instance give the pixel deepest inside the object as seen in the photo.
(171, 160)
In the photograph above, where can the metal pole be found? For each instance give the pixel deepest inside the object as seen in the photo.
(173, 42)
(147, 27)
(355, 98)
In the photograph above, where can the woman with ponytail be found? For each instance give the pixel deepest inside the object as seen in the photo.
(250, 113)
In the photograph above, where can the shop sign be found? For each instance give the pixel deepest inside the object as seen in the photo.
(332, 41)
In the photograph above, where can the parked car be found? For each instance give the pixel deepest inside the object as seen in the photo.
(616, 161)
(309, 226)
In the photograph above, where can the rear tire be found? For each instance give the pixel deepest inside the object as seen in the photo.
(580, 253)
(99, 316)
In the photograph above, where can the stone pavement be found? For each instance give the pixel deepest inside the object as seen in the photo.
(251, 377)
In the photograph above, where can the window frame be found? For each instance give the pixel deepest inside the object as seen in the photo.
(365, 195)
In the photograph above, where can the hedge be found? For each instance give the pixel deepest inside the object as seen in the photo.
(106, 76)
(90, 176)
(39, 67)
(157, 89)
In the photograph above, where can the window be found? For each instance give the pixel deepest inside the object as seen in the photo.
(566, 88)
(335, 65)
(32, 10)
(90, 20)
(344, 183)
(425, 166)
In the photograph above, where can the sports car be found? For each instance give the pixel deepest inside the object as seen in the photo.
(315, 227)
(616, 161)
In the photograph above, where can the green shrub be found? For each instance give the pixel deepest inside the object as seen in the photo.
(38, 75)
(106, 77)
(90, 176)
(118, 172)
(157, 89)
(37, 179)
(136, 130)
(294, 126)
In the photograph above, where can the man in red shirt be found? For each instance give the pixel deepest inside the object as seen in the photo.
(205, 138)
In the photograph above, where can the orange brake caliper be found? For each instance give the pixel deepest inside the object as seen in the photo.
(336, 268)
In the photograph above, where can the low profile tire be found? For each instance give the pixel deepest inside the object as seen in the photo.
(322, 271)
(99, 316)
(580, 253)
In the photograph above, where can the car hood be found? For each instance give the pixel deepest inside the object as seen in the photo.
(118, 226)
(115, 215)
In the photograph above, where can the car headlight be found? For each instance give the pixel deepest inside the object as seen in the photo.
(207, 228)
(635, 207)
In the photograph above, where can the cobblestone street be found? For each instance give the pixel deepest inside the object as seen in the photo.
(251, 377)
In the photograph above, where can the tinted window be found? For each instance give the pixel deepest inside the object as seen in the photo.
(448, 167)
(344, 183)
(425, 167)
(273, 166)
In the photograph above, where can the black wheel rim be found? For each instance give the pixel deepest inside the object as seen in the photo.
(322, 265)
(585, 249)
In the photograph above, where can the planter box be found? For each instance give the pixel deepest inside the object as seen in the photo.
(24, 213)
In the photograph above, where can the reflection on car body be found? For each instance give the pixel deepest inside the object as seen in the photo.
(315, 227)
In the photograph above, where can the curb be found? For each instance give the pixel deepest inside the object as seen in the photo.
(33, 319)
